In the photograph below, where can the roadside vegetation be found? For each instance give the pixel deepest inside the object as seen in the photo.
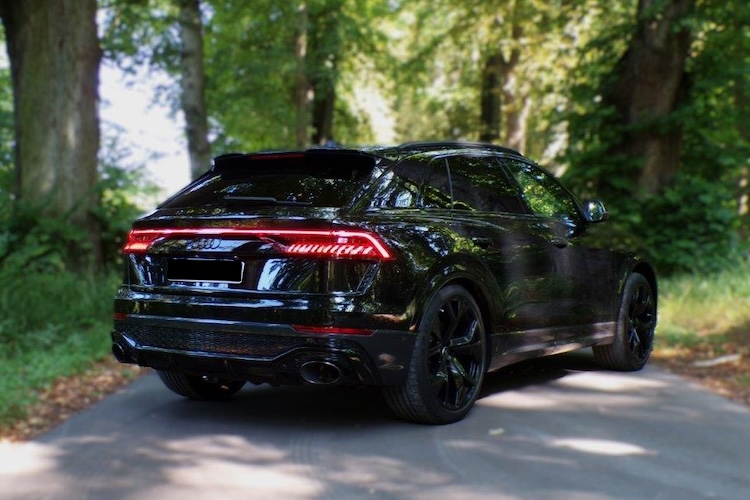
(704, 327)
(52, 325)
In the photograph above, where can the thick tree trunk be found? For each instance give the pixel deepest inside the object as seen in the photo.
(516, 107)
(193, 85)
(302, 88)
(650, 83)
(322, 114)
(491, 99)
(54, 57)
(324, 51)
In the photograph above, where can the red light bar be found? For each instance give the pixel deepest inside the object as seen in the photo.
(313, 242)
(332, 330)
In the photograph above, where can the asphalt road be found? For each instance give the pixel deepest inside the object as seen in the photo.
(558, 430)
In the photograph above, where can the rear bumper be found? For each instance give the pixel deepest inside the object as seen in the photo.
(259, 352)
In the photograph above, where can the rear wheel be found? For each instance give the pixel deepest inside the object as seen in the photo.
(197, 387)
(635, 328)
(448, 364)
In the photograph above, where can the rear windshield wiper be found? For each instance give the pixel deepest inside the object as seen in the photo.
(266, 200)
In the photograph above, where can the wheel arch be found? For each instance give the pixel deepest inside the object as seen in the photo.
(648, 272)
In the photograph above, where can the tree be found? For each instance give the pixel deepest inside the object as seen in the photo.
(192, 86)
(649, 84)
(54, 58)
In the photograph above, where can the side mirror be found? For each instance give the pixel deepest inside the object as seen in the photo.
(594, 211)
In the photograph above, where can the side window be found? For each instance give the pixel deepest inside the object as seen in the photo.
(542, 193)
(480, 183)
(395, 192)
(437, 190)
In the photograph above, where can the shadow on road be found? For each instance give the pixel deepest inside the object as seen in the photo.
(330, 407)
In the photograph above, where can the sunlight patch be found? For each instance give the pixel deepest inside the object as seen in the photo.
(609, 382)
(601, 447)
(26, 458)
(517, 401)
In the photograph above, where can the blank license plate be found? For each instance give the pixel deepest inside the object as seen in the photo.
(205, 270)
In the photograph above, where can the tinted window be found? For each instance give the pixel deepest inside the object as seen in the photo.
(437, 189)
(318, 180)
(480, 183)
(416, 182)
(542, 193)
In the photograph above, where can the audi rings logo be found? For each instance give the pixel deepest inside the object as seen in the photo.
(204, 244)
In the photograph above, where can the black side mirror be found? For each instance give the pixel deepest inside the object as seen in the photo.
(594, 211)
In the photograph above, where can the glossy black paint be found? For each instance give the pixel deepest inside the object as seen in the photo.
(543, 281)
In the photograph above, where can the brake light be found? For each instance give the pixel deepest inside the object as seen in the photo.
(311, 242)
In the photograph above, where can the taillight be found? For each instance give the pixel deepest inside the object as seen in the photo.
(310, 242)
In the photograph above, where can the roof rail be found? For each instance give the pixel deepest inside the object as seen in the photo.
(436, 145)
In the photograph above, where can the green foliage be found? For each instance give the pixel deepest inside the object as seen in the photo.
(693, 224)
(31, 243)
(695, 306)
(51, 325)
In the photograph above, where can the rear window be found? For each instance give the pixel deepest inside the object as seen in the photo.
(314, 179)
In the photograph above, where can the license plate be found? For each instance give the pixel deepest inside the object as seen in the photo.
(205, 270)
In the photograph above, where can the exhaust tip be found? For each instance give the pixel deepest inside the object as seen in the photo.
(320, 373)
(119, 353)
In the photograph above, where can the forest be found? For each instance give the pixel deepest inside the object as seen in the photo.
(644, 104)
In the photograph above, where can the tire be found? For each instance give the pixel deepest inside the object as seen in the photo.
(197, 387)
(634, 338)
(449, 361)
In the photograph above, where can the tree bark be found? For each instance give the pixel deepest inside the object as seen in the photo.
(491, 99)
(324, 51)
(650, 83)
(54, 58)
(193, 86)
(302, 88)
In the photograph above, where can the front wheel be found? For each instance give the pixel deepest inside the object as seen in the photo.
(636, 323)
(197, 387)
(448, 364)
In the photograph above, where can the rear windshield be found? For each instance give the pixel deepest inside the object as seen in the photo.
(314, 179)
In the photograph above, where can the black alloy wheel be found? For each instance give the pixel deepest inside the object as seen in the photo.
(635, 328)
(449, 362)
(197, 387)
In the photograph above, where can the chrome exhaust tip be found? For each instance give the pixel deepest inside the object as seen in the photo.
(320, 373)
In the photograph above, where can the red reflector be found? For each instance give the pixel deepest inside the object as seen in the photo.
(332, 330)
(119, 316)
(338, 244)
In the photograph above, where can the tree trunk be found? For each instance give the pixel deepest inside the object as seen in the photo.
(516, 107)
(650, 83)
(193, 85)
(324, 49)
(302, 88)
(54, 58)
(491, 99)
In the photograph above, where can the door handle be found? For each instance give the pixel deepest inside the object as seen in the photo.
(559, 242)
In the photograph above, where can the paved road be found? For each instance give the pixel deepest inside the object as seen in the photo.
(559, 430)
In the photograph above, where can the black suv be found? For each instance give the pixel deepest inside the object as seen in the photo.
(416, 268)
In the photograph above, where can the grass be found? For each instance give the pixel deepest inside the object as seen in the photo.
(710, 309)
(707, 319)
(51, 326)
